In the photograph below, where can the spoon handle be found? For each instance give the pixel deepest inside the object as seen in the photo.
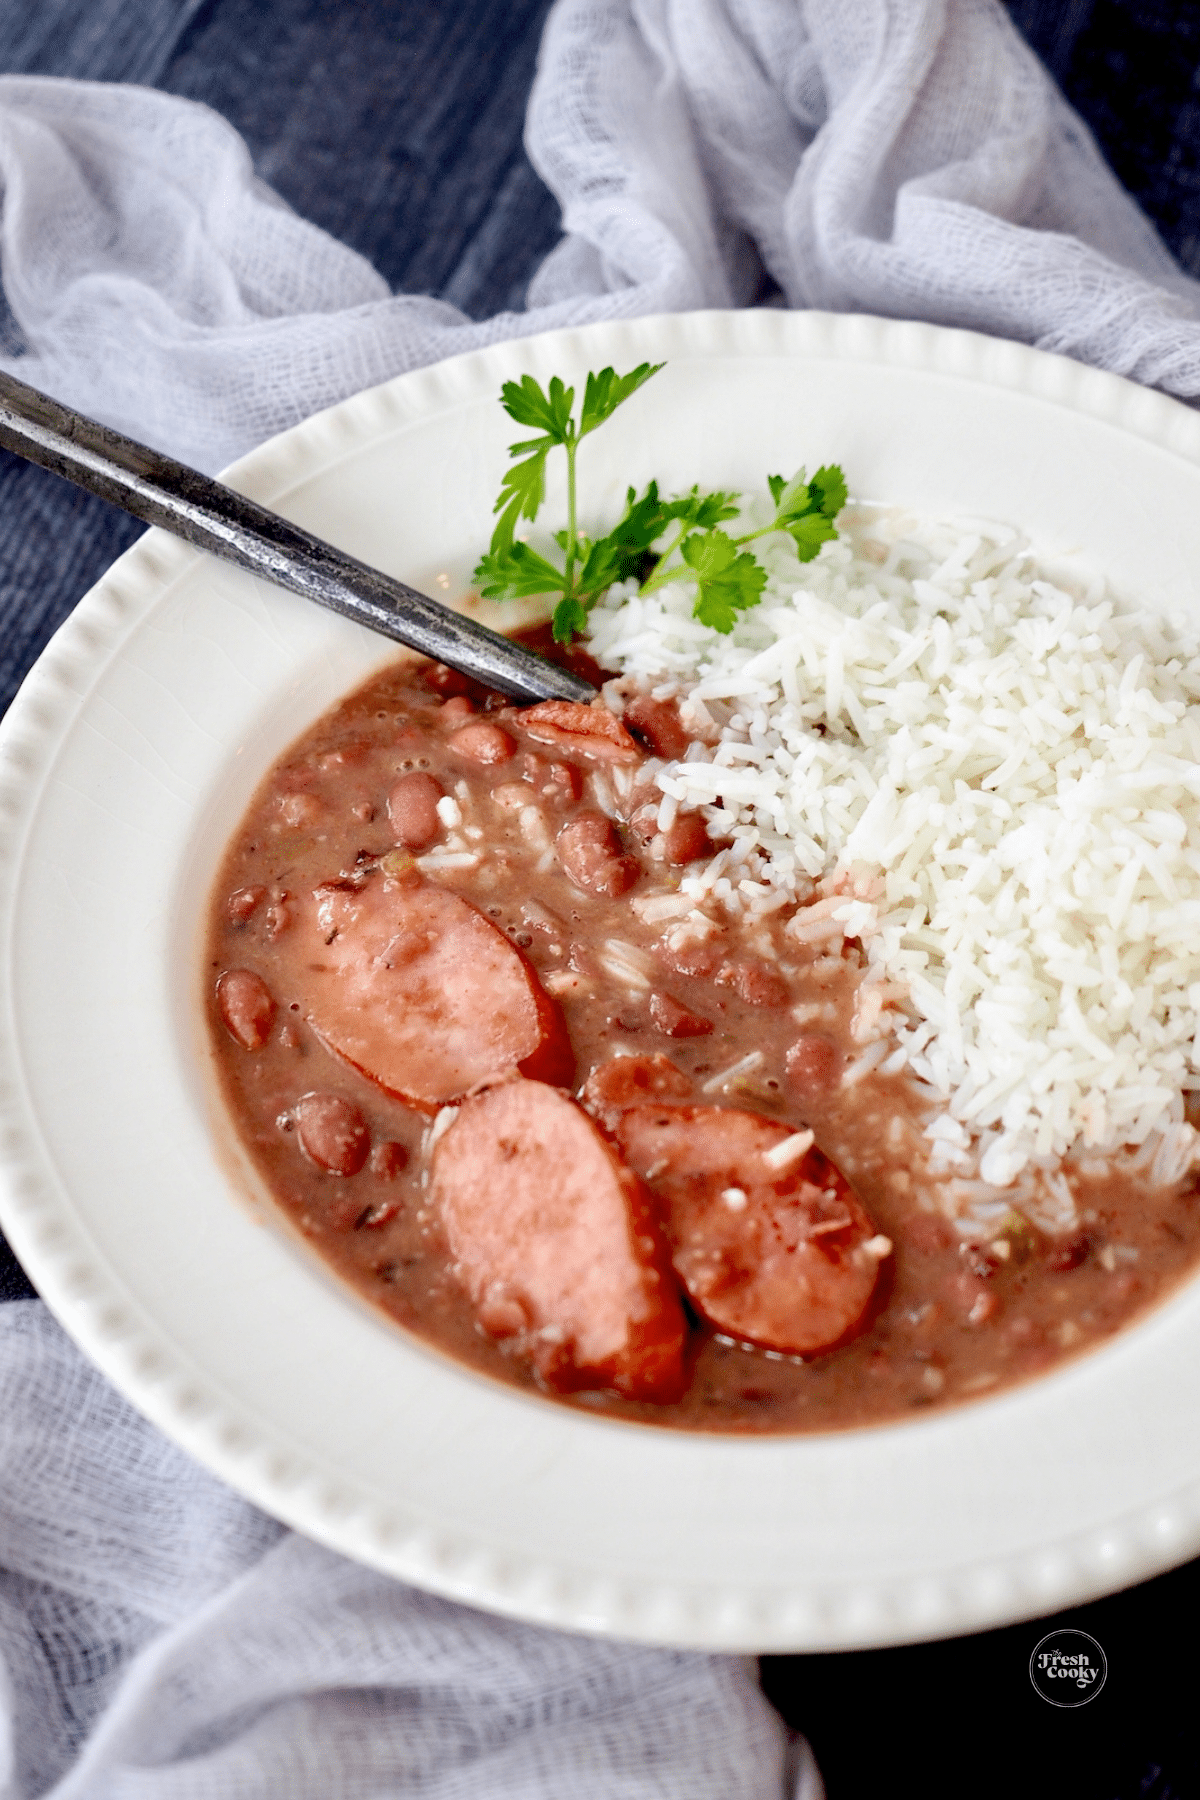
(214, 517)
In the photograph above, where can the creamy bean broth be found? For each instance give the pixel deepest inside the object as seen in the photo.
(669, 1059)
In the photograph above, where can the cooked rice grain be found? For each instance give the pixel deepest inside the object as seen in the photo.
(991, 775)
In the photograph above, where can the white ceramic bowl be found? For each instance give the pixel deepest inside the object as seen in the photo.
(127, 760)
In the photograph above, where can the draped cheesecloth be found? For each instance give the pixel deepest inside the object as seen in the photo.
(159, 1639)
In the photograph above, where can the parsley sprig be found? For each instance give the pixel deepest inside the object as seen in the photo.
(728, 578)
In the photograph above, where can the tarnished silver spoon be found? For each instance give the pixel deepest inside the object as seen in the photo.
(161, 491)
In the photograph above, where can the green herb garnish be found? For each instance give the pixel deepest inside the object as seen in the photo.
(728, 578)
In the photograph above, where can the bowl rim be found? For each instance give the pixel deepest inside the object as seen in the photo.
(85, 1292)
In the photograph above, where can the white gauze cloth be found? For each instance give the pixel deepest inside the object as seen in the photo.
(162, 1640)
(906, 157)
(159, 1639)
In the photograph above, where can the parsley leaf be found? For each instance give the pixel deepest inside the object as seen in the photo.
(515, 573)
(807, 509)
(702, 510)
(521, 492)
(606, 391)
(727, 581)
(809, 533)
(570, 616)
(828, 486)
(619, 554)
(528, 405)
(728, 578)
(510, 569)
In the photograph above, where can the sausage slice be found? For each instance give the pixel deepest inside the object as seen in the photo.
(423, 994)
(557, 1245)
(590, 731)
(779, 1254)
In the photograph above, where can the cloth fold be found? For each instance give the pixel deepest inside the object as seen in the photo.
(905, 157)
(158, 1637)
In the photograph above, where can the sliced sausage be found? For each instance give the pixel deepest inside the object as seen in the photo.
(779, 1252)
(246, 1006)
(333, 1132)
(590, 731)
(592, 854)
(625, 1081)
(424, 995)
(557, 1245)
(412, 810)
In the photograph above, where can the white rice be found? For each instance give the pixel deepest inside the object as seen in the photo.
(989, 774)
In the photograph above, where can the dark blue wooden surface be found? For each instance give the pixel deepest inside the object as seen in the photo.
(396, 125)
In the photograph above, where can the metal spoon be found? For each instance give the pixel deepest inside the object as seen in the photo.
(164, 492)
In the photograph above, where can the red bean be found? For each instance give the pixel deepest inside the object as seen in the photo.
(674, 1019)
(927, 1232)
(333, 1133)
(350, 755)
(656, 722)
(247, 1007)
(694, 956)
(240, 906)
(447, 681)
(814, 1063)
(388, 1159)
(687, 840)
(483, 743)
(592, 854)
(457, 708)
(625, 1081)
(563, 782)
(755, 983)
(412, 810)
(1068, 1254)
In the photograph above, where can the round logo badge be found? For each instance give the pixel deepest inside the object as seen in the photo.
(1068, 1668)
